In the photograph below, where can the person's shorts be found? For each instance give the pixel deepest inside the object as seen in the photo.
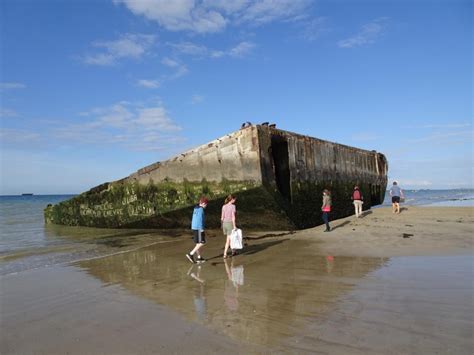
(395, 199)
(199, 237)
(227, 228)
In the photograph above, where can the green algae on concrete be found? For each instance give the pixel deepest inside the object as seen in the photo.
(165, 205)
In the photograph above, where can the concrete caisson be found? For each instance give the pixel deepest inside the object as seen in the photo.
(278, 177)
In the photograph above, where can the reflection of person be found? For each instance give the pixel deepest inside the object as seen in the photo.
(396, 192)
(228, 221)
(200, 304)
(197, 226)
(329, 263)
(326, 208)
(357, 200)
(235, 278)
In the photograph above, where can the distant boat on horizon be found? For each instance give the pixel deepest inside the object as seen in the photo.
(27, 194)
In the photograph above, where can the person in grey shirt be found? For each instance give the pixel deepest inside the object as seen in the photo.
(396, 192)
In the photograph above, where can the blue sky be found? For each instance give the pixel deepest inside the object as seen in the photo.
(93, 90)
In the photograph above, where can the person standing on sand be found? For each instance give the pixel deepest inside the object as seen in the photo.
(396, 192)
(197, 226)
(326, 208)
(357, 200)
(228, 221)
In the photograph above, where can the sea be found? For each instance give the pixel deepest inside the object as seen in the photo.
(27, 243)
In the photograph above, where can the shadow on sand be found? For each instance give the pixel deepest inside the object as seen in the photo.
(251, 249)
(270, 235)
(365, 213)
(341, 225)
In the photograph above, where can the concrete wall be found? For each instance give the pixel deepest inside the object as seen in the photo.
(162, 194)
(312, 159)
(234, 157)
(314, 165)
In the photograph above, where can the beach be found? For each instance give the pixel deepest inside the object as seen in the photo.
(380, 283)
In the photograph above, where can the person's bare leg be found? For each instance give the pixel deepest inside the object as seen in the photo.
(196, 249)
(394, 207)
(227, 244)
(398, 207)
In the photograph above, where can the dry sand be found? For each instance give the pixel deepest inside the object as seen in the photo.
(383, 283)
(415, 231)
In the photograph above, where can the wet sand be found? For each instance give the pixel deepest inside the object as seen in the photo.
(381, 283)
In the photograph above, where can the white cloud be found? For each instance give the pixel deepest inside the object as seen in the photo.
(226, 6)
(170, 62)
(442, 126)
(238, 51)
(446, 137)
(117, 116)
(190, 49)
(265, 11)
(418, 183)
(132, 125)
(149, 84)
(177, 15)
(179, 68)
(314, 28)
(5, 112)
(181, 71)
(155, 118)
(13, 135)
(130, 116)
(128, 46)
(368, 34)
(241, 49)
(196, 99)
(11, 86)
(214, 15)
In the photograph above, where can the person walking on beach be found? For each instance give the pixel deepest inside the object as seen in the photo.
(396, 192)
(357, 200)
(326, 208)
(228, 221)
(197, 226)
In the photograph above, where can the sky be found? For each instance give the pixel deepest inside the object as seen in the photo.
(93, 90)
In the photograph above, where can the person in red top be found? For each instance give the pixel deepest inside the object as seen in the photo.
(357, 200)
(326, 208)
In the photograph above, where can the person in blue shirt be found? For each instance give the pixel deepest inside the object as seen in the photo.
(396, 192)
(197, 226)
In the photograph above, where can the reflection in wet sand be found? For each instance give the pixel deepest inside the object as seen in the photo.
(285, 285)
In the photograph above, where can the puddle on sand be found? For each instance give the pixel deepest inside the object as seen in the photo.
(412, 305)
(271, 292)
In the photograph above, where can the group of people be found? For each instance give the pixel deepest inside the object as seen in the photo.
(357, 200)
(228, 221)
(396, 194)
(228, 218)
